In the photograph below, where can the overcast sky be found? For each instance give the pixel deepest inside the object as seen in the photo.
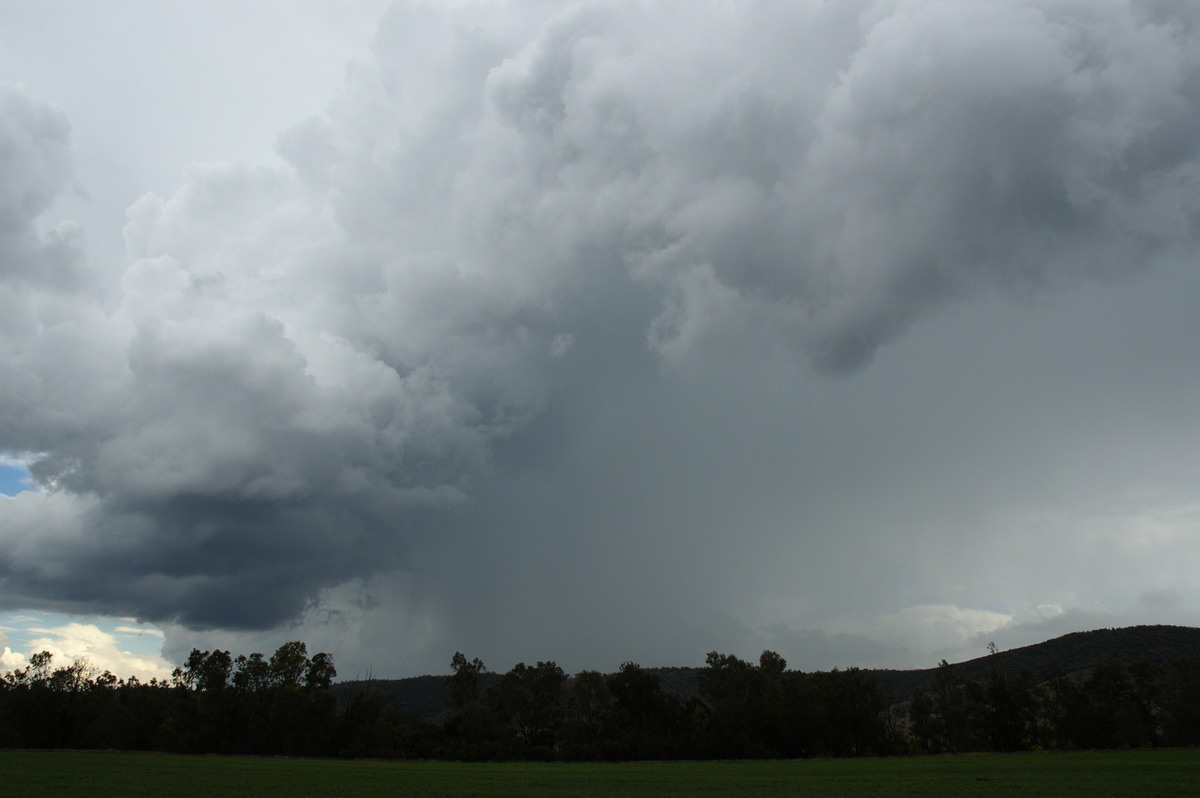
(866, 332)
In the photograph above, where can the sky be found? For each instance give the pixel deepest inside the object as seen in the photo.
(596, 331)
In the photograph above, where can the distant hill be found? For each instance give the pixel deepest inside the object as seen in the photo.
(1072, 654)
(426, 696)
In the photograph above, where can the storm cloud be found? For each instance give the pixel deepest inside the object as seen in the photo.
(600, 331)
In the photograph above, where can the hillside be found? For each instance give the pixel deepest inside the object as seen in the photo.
(426, 696)
(1076, 653)
(1073, 653)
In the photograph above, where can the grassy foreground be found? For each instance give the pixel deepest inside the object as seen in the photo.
(99, 774)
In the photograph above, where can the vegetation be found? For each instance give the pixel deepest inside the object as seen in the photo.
(730, 709)
(1073, 655)
(213, 704)
(35, 774)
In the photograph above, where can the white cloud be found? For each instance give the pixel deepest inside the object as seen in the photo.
(137, 631)
(11, 660)
(919, 636)
(102, 650)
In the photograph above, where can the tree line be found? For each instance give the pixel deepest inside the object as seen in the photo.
(283, 705)
(213, 703)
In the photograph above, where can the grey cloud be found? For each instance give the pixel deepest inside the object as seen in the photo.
(35, 156)
(833, 193)
(352, 370)
(37, 163)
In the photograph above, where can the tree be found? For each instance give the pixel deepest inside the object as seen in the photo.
(204, 671)
(289, 664)
(957, 708)
(850, 716)
(648, 719)
(464, 683)
(725, 688)
(1181, 703)
(590, 707)
(767, 707)
(923, 724)
(530, 698)
(725, 682)
(321, 672)
(1010, 711)
(746, 715)
(636, 694)
(39, 667)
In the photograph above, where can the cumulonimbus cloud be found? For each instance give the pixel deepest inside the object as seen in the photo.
(300, 367)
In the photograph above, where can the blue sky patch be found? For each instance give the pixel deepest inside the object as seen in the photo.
(13, 480)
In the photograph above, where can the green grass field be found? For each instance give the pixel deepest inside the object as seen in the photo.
(98, 774)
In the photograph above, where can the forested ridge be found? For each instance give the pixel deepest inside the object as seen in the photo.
(1105, 689)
